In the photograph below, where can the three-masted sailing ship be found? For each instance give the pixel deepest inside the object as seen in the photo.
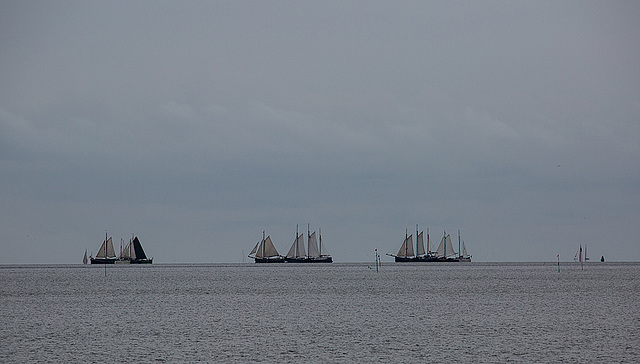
(133, 253)
(297, 253)
(106, 253)
(265, 252)
(444, 253)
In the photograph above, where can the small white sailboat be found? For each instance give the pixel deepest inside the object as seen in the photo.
(265, 252)
(106, 253)
(84, 259)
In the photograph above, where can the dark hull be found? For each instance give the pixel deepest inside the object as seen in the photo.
(269, 260)
(141, 261)
(103, 261)
(324, 259)
(428, 260)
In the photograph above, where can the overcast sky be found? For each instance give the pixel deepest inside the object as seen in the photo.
(197, 125)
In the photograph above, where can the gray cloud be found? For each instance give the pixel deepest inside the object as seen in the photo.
(198, 125)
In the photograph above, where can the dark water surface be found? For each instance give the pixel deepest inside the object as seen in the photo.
(334, 313)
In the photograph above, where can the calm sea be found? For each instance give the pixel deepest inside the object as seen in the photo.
(334, 313)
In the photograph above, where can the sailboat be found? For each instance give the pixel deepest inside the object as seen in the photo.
(84, 259)
(578, 256)
(314, 254)
(106, 253)
(133, 253)
(464, 256)
(265, 252)
(405, 254)
(444, 253)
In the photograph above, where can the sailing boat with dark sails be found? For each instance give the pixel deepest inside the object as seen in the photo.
(265, 252)
(133, 253)
(106, 253)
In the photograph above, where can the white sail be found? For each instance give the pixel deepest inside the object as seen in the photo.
(420, 244)
(111, 253)
(126, 252)
(313, 246)
(449, 247)
(445, 249)
(108, 247)
(101, 251)
(292, 251)
(260, 251)
(84, 259)
(440, 250)
(402, 252)
(255, 248)
(406, 250)
(464, 251)
(410, 246)
(268, 249)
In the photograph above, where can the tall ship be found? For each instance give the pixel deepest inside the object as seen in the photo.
(314, 254)
(133, 253)
(106, 253)
(265, 252)
(444, 253)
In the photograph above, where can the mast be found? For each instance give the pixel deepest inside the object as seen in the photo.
(445, 244)
(262, 243)
(320, 237)
(296, 242)
(428, 242)
(308, 238)
(459, 251)
(406, 236)
(416, 240)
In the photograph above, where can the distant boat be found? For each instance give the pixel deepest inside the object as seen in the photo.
(84, 259)
(297, 253)
(464, 257)
(444, 253)
(406, 254)
(578, 257)
(133, 253)
(106, 253)
(265, 252)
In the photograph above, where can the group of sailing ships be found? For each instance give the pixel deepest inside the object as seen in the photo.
(132, 253)
(265, 252)
(444, 253)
